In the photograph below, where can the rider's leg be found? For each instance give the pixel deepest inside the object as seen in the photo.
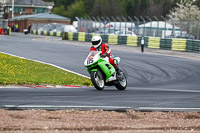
(114, 62)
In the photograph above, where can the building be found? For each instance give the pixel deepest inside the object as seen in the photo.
(23, 7)
(41, 18)
(157, 29)
(2, 4)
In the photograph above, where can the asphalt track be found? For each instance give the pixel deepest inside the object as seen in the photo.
(155, 82)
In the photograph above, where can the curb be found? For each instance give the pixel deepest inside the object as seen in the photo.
(44, 86)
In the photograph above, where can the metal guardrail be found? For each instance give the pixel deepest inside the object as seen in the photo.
(140, 26)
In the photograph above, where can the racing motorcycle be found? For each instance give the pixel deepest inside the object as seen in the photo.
(102, 73)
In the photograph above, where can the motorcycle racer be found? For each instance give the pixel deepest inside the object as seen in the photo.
(97, 45)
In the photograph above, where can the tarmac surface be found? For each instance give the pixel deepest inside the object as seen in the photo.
(157, 79)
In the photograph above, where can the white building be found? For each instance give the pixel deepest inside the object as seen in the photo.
(157, 28)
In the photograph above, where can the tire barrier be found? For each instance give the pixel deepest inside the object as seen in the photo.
(81, 36)
(179, 44)
(132, 41)
(112, 39)
(176, 44)
(47, 33)
(154, 42)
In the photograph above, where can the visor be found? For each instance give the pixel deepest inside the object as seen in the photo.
(95, 42)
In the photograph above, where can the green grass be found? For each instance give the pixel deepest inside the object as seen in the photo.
(17, 71)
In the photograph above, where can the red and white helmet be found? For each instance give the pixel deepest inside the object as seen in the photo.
(96, 41)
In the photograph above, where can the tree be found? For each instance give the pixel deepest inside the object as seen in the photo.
(106, 8)
(185, 10)
(187, 14)
(60, 10)
(76, 9)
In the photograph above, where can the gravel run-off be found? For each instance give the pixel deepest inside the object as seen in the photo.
(95, 121)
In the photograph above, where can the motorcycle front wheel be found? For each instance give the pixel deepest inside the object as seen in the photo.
(97, 80)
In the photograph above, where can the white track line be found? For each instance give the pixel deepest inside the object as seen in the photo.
(158, 108)
(172, 90)
(57, 106)
(47, 64)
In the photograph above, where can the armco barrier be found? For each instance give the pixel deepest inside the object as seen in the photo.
(176, 44)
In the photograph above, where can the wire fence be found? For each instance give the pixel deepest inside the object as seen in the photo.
(140, 26)
(3, 23)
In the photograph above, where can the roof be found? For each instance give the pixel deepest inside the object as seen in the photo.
(41, 16)
(31, 2)
(158, 24)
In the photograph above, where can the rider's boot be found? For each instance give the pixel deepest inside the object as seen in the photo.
(116, 66)
(117, 70)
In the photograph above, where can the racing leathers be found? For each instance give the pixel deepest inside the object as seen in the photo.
(105, 51)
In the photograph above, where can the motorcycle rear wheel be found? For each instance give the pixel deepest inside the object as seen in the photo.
(97, 80)
(121, 82)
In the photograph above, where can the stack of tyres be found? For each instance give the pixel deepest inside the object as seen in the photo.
(178, 44)
(112, 39)
(168, 44)
(154, 42)
(81, 36)
(65, 36)
(189, 46)
(75, 36)
(122, 40)
(139, 41)
(88, 37)
(196, 46)
(162, 43)
(104, 38)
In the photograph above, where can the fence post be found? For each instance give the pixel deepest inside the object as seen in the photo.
(197, 29)
(180, 27)
(157, 25)
(104, 25)
(173, 23)
(165, 26)
(115, 23)
(150, 22)
(131, 23)
(109, 22)
(85, 25)
(99, 26)
(144, 28)
(94, 23)
(138, 23)
(79, 23)
(91, 25)
(120, 23)
(125, 23)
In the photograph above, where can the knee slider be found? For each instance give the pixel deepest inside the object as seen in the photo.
(115, 62)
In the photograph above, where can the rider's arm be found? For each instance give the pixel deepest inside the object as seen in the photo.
(92, 49)
(107, 49)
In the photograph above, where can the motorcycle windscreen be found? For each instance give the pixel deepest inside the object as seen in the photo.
(91, 58)
(107, 68)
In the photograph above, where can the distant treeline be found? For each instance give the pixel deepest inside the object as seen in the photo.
(85, 8)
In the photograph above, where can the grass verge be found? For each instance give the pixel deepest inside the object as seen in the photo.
(17, 71)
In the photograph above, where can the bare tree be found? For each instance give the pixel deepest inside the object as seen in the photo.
(186, 13)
